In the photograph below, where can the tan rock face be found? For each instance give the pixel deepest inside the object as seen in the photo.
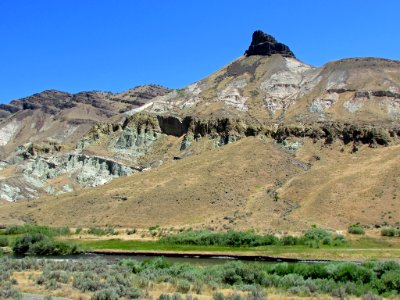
(275, 90)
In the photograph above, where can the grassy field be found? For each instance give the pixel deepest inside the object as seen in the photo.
(354, 247)
(364, 248)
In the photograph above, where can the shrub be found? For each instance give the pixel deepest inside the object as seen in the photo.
(22, 245)
(390, 231)
(313, 237)
(3, 241)
(170, 297)
(256, 294)
(391, 280)
(109, 230)
(350, 272)
(299, 290)
(78, 230)
(52, 284)
(289, 240)
(235, 296)
(183, 286)
(96, 231)
(317, 234)
(370, 296)
(40, 244)
(356, 229)
(132, 293)
(381, 268)
(339, 239)
(36, 229)
(40, 280)
(87, 282)
(8, 292)
(134, 265)
(233, 273)
(339, 293)
(303, 279)
(230, 238)
(105, 294)
(58, 275)
(130, 231)
(291, 280)
(218, 296)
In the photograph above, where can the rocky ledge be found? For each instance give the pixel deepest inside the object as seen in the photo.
(265, 44)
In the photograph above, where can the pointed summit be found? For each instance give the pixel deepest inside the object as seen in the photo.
(265, 44)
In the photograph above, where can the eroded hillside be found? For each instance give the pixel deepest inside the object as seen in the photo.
(266, 142)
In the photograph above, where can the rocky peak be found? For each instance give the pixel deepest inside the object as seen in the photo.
(265, 44)
(141, 94)
(49, 100)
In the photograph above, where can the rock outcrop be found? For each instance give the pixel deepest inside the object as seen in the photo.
(130, 139)
(265, 44)
(33, 177)
(173, 125)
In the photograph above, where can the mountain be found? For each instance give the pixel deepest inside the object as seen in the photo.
(64, 117)
(39, 140)
(266, 142)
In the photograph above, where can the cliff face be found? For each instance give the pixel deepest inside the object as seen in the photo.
(39, 176)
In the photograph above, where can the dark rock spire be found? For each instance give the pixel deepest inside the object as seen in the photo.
(265, 44)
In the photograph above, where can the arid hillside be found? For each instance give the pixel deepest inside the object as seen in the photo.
(266, 142)
(253, 183)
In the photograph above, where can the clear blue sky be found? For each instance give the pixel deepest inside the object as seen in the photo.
(75, 45)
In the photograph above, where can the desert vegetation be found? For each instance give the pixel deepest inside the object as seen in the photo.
(100, 231)
(390, 231)
(160, 279)
(313, 237)
(4, 241)
(133, 279)
(31, 239)
(356, 229)
(40, 244)
(36, 229)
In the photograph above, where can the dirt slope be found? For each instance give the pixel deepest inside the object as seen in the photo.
(232, 187)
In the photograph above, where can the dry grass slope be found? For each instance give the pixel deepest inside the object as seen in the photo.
(252, 183)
